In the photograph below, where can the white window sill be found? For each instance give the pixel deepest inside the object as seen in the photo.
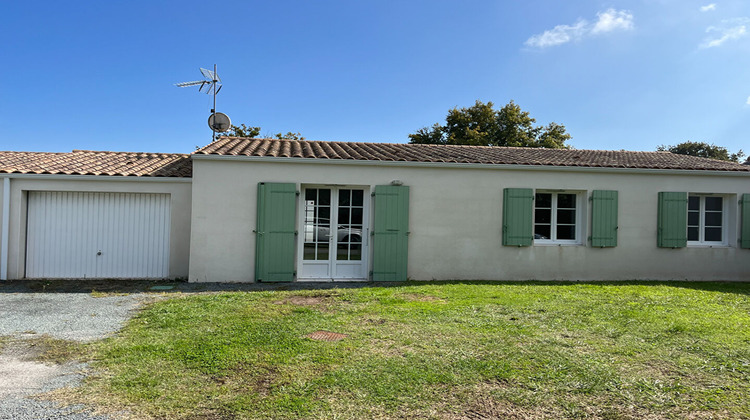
(540, 243)
(704, 245)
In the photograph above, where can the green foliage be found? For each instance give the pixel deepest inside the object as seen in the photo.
(289, 136)
(482, 125)
(241, 131)
(252, 132)
(703, 149)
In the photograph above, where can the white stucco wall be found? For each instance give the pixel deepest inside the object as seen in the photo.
(179, 189)
(456, 221)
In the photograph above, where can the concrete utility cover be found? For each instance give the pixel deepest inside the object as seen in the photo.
(326, 336)
(161, 288)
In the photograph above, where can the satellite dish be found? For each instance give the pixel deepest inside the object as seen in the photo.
(219, 122)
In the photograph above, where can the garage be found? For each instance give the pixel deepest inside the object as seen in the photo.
(80, 235)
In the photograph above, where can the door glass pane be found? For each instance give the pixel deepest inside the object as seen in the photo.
(355, 252)
(316, 229)
(324, 214)
(345, 197)
(343, 216)
(309, 251)
(357, 216)
(324, 197)
(342, 254)
(343, 235)
(322, 251)
(358, 197)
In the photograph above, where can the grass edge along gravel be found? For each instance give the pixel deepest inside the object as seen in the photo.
(436, 350)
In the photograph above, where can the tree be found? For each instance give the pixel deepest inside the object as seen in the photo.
(702, 149)
(289, 136)
(252, 132)
(241, 131)
(482, 125)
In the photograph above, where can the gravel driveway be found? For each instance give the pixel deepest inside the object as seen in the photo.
(70, 315)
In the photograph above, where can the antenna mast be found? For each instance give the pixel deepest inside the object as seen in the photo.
(217, 121)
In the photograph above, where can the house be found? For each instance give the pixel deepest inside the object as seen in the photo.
(243, 210)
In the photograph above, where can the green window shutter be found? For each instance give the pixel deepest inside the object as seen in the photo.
(390, 233)
(672, 226)
(517, 216)
(274, 239)
(604, 218)
(745, 234)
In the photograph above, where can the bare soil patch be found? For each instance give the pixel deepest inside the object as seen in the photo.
(416, 297)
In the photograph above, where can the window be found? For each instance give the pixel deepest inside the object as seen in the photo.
(705, 220)
(556, 216)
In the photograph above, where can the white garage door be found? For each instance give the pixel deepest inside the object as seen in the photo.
(97, 235)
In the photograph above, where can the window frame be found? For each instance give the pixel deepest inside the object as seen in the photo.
(578, 220)
(701, 242)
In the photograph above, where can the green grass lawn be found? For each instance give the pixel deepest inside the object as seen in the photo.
(436, 350)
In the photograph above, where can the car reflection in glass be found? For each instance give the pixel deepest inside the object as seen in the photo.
(344, 234)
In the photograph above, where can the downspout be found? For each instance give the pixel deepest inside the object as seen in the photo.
(5, 228)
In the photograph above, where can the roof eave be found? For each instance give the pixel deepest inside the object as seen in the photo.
(496, 166)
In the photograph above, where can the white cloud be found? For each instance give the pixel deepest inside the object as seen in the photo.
(728, 30)
(748, 100)
(608, 21)
(708, 7)
(560, 34)
(611, 20)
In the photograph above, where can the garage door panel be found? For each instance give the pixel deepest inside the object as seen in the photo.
(97, 235)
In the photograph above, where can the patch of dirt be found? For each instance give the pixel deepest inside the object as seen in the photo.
(21, 372)
(487, 408)
(308, 300)
(416, 297)
(258, 378)
(302, 300)
(326, 336)
(374, 321)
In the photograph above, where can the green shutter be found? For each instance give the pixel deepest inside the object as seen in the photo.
(274, 240)
(745, 234)
(517, 216)
(390, 233)
(672, 227)
(603, 218)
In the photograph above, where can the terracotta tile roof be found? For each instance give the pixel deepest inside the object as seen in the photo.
(86, 162)
(232, 146)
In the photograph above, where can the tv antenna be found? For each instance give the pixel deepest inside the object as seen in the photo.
(217, 121)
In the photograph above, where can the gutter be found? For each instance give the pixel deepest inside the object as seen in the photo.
(456, 165)
(5, 228)
(72, 177)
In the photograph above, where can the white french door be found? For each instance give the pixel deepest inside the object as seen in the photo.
(333, 240)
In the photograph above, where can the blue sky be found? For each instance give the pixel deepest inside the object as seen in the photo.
(632, 75)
